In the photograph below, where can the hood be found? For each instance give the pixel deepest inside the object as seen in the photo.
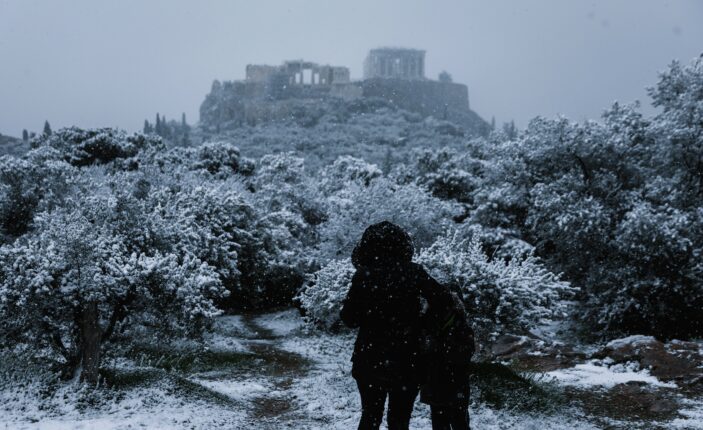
(383, 244)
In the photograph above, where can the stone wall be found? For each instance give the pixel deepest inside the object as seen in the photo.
(442, 100)
(248, 102)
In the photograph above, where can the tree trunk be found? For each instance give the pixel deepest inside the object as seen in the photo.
(90, 343)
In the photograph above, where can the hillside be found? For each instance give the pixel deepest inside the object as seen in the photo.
(12, 146)
(231, 105)
(372, 129)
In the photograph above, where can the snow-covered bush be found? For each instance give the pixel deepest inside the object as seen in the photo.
(289, 200)
(322, 296)
(35, 183)
(346, 170)
(678, 128)
(101, 265)
(499, 295)
(217, 222)
(356, 206)
(447, 173)
(658, 289)
(221, 159)
(81, 147)
(613, 205)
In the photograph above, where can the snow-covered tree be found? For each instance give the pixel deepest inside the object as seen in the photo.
(37, 182)
(356, 206)
(100, 264)
(500, 295)
(81, 147)
(325, 290)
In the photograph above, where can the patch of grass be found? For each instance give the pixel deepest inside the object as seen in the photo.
(501, 387)
(187, 361)
(122, 379)
(267, 407)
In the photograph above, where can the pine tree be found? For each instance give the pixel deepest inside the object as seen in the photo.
(493, 123)
(165, 129)
(510, 130)
(157, 127)
(147, 127)
(25, 135)
(387, 164)
(47, 128)
(183, 120)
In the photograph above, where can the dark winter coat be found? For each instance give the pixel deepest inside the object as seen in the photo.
(451, 345)
(385, 302)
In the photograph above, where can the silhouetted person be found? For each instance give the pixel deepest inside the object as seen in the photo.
(385, 303)
(451, 345)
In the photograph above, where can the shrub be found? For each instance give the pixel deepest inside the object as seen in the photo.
(91, 269)
(355, 207)
(81, 147)
(35, 183)
(220, 159)
(321, 298)
(499, 295)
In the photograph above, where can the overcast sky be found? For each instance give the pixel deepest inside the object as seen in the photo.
(114, 63)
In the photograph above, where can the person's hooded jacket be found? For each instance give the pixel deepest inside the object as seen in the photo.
(450, 347)
(386, 303)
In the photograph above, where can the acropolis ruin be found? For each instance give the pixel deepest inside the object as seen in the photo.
(396, 75)
(400, 63)
(298, 72)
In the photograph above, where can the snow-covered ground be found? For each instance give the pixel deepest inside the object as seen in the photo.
(328, 393)
(289, 377)
(605, 374)
(158, 406)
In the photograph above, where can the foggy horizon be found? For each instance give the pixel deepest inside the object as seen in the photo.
(95, 64)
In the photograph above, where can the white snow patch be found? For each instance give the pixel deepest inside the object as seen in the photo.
(605, 374)
(634, 340)
(693, 415)
(232, 325)
(242, 390)
(219, 342)
(282, 323)
(156, 408)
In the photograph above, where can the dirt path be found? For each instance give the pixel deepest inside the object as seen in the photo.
(281, 367)
(261, 382)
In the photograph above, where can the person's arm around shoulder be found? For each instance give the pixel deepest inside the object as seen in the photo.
(353, 307)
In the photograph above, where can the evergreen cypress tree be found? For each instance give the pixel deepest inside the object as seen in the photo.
(165, 129)
(510, 130)
(47, 128)
(25, 135)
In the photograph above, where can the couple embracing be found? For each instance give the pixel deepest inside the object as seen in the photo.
(413, 337)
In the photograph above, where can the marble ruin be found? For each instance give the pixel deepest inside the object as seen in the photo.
(396, 75)
(298, 72)
(399, 63)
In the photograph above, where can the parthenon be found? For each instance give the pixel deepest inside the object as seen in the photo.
(399, 63)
